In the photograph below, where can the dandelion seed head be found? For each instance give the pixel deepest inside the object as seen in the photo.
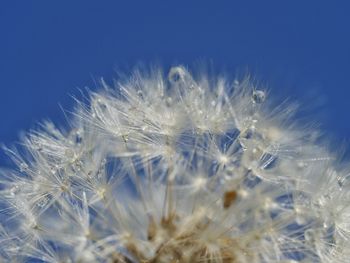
(178, 168)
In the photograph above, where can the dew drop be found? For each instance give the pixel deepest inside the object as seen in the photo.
(343, 181)
(39, 147)
(310, 236)
(69, 153)
(176, 74)
(248, 133)
(14, 249)
(125, 137)
(43, 202)
(139, 93)
(169, 101)
(14, 190)
(258, 96)
(300, 219)
(53, 170)
(301, 164)
(78, 138)
(23, 167)
(101, 105)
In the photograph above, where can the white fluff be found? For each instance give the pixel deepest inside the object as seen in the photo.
(175, 170)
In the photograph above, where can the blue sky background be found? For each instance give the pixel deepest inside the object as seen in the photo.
(49, 49)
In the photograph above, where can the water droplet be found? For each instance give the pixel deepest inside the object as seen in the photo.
(100, 105)
(14, 249)
(310, 236)
(139, 93)
(23, 167)
(53, 170)
(176, 74)
(69, 153)
(39, 147)
(248, 133)
(343, 181)
(301, 164)
(125, 137)
(78, 165)
(169, 101)
(42, 202)
(14, 190)
(78, 136)
(258, 96)
(300, 219)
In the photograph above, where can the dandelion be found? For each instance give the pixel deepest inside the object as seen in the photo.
(175, 169)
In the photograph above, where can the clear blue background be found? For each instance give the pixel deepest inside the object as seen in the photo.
(49, 49)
